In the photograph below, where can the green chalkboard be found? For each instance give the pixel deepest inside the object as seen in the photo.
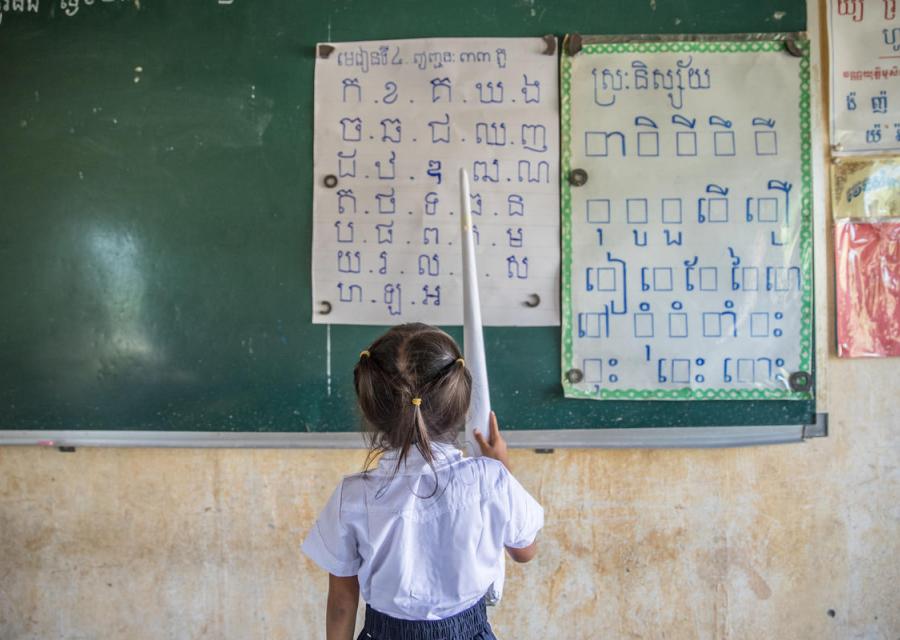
(155, 214)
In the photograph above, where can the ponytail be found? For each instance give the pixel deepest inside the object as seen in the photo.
(422, 439)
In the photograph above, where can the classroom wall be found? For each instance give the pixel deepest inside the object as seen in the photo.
(740, 543)
(796, 541)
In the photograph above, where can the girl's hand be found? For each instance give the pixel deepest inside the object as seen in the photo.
(495, 446)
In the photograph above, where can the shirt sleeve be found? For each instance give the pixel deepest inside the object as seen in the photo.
(526, 516)
(331, 544)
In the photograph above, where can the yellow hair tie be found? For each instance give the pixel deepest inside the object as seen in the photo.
(461, 361)
(416, 401)
(364, 354)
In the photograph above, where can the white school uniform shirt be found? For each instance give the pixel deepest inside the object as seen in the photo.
(423, 557)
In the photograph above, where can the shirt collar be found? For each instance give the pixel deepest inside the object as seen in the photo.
(443, 453)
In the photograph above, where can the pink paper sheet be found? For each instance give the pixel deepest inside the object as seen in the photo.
(867, 269)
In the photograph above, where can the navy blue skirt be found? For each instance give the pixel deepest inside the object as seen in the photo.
(471, 624)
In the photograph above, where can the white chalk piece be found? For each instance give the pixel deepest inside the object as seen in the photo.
(473, 337)
(473, 348)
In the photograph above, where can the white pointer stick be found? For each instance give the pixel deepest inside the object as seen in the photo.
(473, 339)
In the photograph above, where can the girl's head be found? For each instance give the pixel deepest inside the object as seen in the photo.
(413, 388)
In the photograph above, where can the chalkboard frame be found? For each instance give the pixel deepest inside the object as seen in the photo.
(243, 359)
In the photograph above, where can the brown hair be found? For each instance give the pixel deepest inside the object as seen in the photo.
(412, 361)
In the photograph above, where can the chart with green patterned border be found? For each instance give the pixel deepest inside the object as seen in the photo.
(686, 220)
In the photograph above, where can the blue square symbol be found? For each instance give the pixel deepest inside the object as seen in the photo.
(606, 279)
(766, 143)
(648, 143)
(709, 279)
(678, 327)
(636, 209)
(768, 210)
(723, 143)
(681, 370)
(598, 210)
(643, 325)
(712, 325)
(593, 369)
(750, 278)
(686, 143)
(718, 209)
(746, 370)
(671, 210)
(662, 278)
(759, 325)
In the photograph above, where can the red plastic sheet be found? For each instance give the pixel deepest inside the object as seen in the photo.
(867, 256)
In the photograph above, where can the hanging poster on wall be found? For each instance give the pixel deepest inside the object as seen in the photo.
(395, 121)
(864, 59)
(866, 204)
(867, 275)
(687, 240)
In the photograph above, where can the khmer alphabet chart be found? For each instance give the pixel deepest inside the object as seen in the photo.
(394, 123)
(864, 52)
(687, 241)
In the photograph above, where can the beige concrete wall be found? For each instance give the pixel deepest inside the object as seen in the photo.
(745, 543)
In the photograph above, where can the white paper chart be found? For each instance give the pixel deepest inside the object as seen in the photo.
(864, 57)
(394, 123)
(687, 250)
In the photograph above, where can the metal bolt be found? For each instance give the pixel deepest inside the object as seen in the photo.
(578, 177)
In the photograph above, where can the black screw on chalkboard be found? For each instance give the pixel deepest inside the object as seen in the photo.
(326, 307)
(578, 177)
(330, 181)
(533, 300)
(549, 45)
(791, 45)
(574, 376)
(573, 43)
(800, 381)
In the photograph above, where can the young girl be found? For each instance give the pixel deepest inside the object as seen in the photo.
(422, 536)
